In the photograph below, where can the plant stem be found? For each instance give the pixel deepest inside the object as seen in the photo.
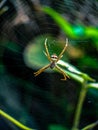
(90, 126)
(79, 106)
(17, 123)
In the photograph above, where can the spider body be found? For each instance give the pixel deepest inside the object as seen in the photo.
(53, 61)
(54, 57)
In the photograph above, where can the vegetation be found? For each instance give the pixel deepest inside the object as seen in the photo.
(45, 102)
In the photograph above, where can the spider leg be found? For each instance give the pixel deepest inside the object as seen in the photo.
(61, 71)
(61, 54)
(41, 70)
(47, 52)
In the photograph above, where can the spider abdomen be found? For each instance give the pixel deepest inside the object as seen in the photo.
(52, 65)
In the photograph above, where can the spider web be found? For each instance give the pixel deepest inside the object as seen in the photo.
(22, 23)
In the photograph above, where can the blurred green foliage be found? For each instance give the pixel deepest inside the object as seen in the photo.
(73, 31)
(57, 127)
(45, 102)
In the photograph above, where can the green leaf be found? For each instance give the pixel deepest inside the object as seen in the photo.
(77, 31)
(74, 73)
(93, 85)
(64, 25)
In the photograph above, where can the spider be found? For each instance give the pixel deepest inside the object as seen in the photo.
(53, 61)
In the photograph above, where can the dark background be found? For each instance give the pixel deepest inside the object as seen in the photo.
(45, 100)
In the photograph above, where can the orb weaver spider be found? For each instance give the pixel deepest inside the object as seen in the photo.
(53, 61)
